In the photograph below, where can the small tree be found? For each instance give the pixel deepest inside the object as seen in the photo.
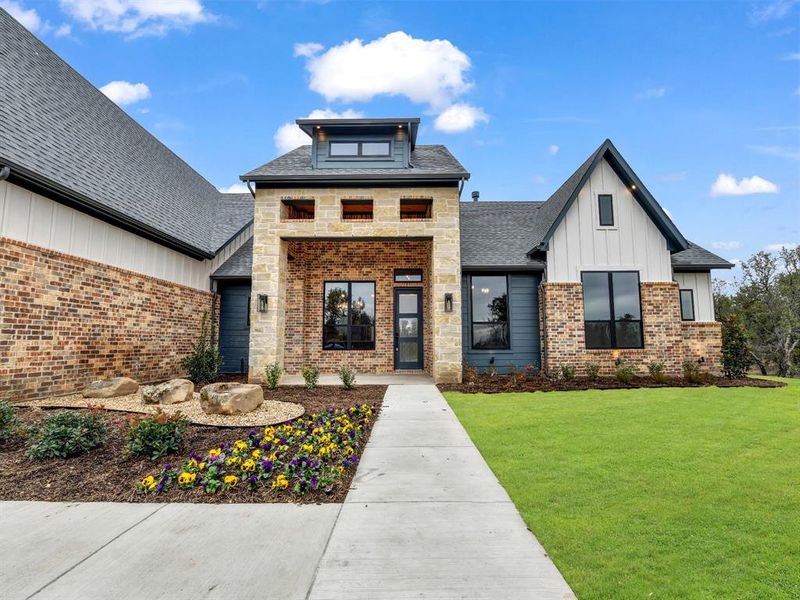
(205, 360)
(736, 354)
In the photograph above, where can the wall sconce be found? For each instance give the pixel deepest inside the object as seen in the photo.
(448, 302)
(262, 303)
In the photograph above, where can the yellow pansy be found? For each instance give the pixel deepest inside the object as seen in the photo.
(231, 480)
(201, 466)
(149, 482)
(281, 482)
(186, 478)
(256, 454)
(249, 465)
(214, 453)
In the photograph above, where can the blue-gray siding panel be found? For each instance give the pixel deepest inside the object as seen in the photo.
(234, 333)
(524, 324)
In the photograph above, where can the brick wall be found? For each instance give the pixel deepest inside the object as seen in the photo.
(666, 338)
(66, 321)
(312, 262)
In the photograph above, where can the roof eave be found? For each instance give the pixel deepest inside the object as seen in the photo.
(322, 178)
(701, 267)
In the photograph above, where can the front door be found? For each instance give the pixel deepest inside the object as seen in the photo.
(407, 328)
(234, 326)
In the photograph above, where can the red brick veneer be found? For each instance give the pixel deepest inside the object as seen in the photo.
(67, 320)
(312, 262)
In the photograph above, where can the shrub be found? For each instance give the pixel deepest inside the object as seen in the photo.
(155, 435)
(470, 374)
(311, 376)
(348, 377)
(625, 372)
(567, 372)
(205, 360)
(592, 371)
(736, 355)
(66, 434)
(530, 370)
(656, 369)
(8, 420)
(274, 372)
(691, 371)
(514, 375)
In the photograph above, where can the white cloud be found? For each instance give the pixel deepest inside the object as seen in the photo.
(308, 49)
(726, 185)
(424, 71)
(657, 92)
(125, 92)
(791, 56)
(289, 136)
(236, 188)
(771, 11)
(63, 30)
(778, 151)
(137, 18)
(28, 17)
(779, 247)
(552, 149)
(460, 117)
(729, 245)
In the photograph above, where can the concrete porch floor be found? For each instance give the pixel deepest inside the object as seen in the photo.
(366, 379)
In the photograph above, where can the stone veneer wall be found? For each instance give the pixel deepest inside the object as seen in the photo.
(272, 235)
(666, 338)
(313, 262)
(67, 321)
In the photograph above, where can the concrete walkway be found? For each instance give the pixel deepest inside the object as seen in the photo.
(425, 518)
(365, 379)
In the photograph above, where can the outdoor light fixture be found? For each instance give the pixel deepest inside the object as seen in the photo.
(448, 302)
(262, 303)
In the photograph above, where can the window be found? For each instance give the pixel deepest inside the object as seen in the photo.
(359, 149)
(612, 309)
(415, 208)
(407, 275)
(605, 203)
(348, 321)
(298, 209)
(357, 210)
(687, 305)
(489, 294)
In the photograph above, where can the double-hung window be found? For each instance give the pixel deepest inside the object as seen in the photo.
(489, 295)
(348, 321)
(612, 309)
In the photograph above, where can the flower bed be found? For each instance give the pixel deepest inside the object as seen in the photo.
(305, 455)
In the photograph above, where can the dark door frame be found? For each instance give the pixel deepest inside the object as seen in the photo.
(420, 327)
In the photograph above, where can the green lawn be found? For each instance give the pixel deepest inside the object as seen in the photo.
(659, 493)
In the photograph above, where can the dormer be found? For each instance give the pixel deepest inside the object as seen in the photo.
(361, 143)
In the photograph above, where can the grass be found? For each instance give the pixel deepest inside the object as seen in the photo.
(653, 493)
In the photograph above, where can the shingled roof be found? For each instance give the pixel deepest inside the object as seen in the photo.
(697, 258)
(427, 162)
(499, 234)
(61, 134)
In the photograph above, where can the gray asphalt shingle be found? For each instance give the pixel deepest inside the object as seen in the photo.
(696, 258)
(59, 127)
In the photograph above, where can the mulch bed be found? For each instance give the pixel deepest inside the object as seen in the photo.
(504, 383)
(106, 474)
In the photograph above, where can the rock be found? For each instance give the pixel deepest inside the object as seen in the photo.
(111, 388)
(231, 398)
(169, 392)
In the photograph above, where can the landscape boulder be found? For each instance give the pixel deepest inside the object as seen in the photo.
(111, 388)
(169, 392)
(231, 398)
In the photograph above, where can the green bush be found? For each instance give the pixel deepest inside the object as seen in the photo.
(204, 362)
(155, 435)
(348, 377)
(592, 371)
(274, 372)
(311, 376)
(8, 420)
(66, 434)
(656, 369)
(567, 372)
(691, 371)
(625, 372)
(736, 355)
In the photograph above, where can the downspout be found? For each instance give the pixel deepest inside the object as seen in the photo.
(461, 187)
(543, 324)
(252, 191)
(5, 171)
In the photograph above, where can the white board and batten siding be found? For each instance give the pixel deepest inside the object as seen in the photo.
(633, 243)
(700, 283)
(35, 219)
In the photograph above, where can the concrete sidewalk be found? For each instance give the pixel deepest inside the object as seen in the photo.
(426, 518)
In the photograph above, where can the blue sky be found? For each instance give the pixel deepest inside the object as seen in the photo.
(703, 99)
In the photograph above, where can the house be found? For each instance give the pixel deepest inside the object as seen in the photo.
(355, 249)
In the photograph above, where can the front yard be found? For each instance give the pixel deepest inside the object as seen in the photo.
(653, 493)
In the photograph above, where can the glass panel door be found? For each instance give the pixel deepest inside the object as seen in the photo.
(408, 328)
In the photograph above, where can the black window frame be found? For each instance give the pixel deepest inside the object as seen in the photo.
(349, 347)
(360, 149)
(473, 322)
(680, 301)
(600, 198)
(612, 321)
(408, 273)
